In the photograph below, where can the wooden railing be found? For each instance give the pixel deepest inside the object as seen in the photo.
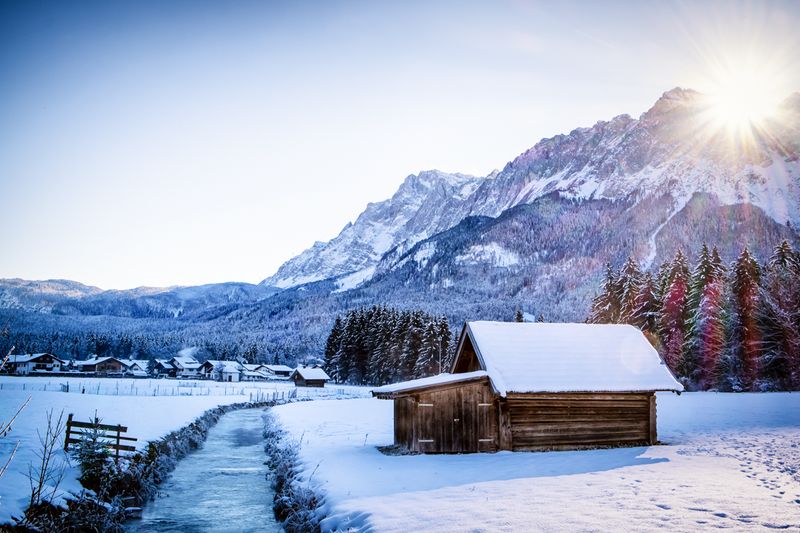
(112, 435)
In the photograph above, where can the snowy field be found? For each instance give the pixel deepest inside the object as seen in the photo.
(729, 461)
(149, 408)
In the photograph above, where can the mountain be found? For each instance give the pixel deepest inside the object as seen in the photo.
(666, 156)
(534, 236)
(424, 204)
(63, 297)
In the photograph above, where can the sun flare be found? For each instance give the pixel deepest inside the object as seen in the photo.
(741, 101)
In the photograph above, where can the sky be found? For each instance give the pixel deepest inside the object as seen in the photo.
(189, 142)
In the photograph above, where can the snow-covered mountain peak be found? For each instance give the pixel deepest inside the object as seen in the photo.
(677, 98)
(671, 150)
(420, 207)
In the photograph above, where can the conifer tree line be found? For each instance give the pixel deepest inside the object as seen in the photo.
(379, 345)
(730, 328)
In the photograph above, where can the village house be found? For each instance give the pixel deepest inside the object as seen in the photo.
(33, 363)
(535, 386)
(277, 371)
(186, 366)
(136, 368)
(228, 371)
(163, 368)
(304, 376)
(253, 372)
(103, 366)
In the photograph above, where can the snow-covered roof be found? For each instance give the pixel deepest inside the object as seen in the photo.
(224, 366)
(441, 379)
(228, 366)
(311, 373)
(28, 357)
(278, 368)
(541, 357)
(141, 363)
(95, 360)
(165, 363)
(186, 361)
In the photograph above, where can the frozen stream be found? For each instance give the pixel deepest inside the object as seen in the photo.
(220, 487)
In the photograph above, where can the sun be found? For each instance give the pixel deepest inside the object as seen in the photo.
(740, 101)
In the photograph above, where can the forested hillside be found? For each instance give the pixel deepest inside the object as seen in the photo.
(730, 327)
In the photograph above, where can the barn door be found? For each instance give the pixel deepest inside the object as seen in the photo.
(424, 426)
(486, 427)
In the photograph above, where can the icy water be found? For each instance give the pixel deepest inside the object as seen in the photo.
(220, 487)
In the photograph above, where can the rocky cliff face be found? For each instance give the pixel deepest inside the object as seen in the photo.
(675, 149)
(425, 204)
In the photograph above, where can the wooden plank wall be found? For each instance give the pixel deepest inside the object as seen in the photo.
(564, 421)
(455, 419)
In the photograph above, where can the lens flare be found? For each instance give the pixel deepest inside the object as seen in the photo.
(741, 102)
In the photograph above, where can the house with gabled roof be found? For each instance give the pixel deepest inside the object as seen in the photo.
(228, 371)
(277, 371)
(186, 366)
(33, 363)
(136, 368)
(163, 368)
(102, 366)
(254, 372)
(535, 386)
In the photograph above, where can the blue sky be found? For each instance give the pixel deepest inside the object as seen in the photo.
(186, 142)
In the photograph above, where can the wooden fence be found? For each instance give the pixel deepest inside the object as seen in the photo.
(112, 435)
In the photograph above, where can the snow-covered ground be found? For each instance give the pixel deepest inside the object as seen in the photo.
(149, 408)
(728, 461)
(253, 390)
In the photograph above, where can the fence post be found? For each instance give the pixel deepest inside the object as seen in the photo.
(116, 455)
(66, 435)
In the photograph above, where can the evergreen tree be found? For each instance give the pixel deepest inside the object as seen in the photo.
(778, 319)
(707, 339)
(332, 349)
(443, 360)
(518, 316)
(703, 274)
(427, 361)
(606, 306)
(746, 275)
(629, 284)
(672, 318)
(412, 345)
(646, 306)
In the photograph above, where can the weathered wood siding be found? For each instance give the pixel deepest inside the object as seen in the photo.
(459, 418)
(577, 420)
(467, 359)
(300, 382)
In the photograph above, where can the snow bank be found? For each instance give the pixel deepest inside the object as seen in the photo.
(150, 408)
(730, 461)
(147, 418)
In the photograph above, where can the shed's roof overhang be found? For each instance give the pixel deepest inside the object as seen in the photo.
(404, 388)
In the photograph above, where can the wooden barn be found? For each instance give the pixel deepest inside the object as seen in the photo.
(535, 386)
(306, 376)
